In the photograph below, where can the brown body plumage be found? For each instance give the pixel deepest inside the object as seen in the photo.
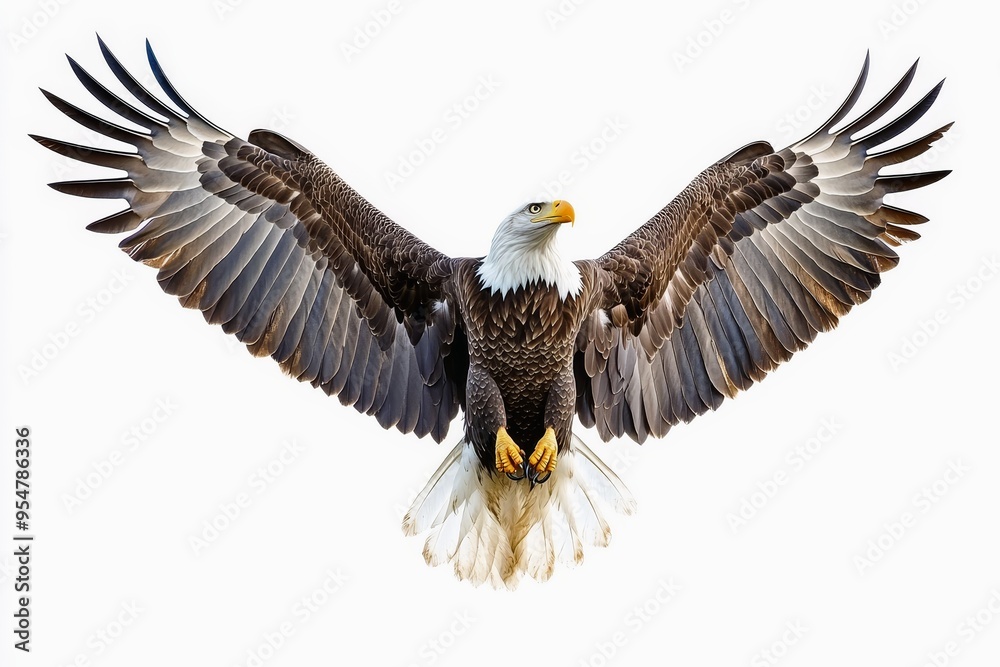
(743, 268)
(523, 342)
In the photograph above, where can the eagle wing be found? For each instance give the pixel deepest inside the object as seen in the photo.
(758, 254)
(269, 242)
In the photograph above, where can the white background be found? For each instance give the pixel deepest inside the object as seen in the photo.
(336, 507)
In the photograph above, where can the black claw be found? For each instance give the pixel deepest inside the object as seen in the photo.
(515, 477)
(534, 478)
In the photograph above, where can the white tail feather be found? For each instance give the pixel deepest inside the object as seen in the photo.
(491, 528)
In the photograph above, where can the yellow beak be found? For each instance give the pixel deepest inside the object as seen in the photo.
(558, 211)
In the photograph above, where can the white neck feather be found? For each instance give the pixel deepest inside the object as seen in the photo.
(518, 260)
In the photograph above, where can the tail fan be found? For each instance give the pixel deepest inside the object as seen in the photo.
(494, 529)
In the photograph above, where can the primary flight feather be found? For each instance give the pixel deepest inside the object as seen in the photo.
(763, 250)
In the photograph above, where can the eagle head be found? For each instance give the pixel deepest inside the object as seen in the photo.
(533, 226)
(524, 251)
(544, 215)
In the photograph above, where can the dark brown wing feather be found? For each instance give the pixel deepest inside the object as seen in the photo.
(271, 244)
(760, 253)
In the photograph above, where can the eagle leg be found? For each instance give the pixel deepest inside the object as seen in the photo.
(543, 460)
(509, 457)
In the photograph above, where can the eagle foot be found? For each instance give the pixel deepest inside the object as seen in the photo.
(509, 457)
(534, 478)
(542, 461)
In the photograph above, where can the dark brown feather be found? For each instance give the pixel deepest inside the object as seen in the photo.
(271, 244)
(744, 267)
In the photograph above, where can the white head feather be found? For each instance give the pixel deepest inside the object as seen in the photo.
(525, 251)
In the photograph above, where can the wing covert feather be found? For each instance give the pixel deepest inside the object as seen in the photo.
(761, 252)
(271, 244)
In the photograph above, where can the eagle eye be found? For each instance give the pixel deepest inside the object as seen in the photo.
(535, 208)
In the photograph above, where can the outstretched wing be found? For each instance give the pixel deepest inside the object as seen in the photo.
(760, 253)
(269, 242)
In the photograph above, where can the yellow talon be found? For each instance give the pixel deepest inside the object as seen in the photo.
(543, 459)
(509, 455)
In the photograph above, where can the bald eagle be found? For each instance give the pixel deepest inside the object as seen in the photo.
(763, 250)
